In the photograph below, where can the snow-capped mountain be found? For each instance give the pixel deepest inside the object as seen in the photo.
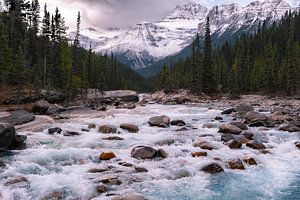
(148, 42)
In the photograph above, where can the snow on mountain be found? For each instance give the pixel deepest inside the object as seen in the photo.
(147, 42)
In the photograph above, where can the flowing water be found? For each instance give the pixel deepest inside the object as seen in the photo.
(56, 163)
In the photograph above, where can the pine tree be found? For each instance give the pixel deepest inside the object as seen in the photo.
(196, 76)
(209, 83)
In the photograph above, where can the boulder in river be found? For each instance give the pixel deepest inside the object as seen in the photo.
(243, 108)
(7, 135)
(130, 127)
(160, 121)
(234, 144)
(256, 145)
(178, 122)
(228, 111)
(248, 135)
(107, 129)
(212, 168)
(241, 125)
(199, 154)
(107, 156)
(297, 144)
(40, 107)
(289, 128)
(253, 116)
(210, 125)
(235, 164)
(18, 142)
(204, 145)
(18, 117)
(229, 128)
(143, 152)
(51, 131)
(249, 160)
(161, 153)
(227, 137)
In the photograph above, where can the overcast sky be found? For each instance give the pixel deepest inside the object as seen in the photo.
(123, 13)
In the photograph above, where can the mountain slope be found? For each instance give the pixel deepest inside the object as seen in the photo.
(146, 43)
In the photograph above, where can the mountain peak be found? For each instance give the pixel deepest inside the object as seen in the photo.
(191, 10)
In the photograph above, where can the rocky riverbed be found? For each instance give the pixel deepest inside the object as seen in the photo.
(215, 149)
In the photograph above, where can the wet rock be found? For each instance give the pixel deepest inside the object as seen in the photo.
(16, 180)
(204, 145)
(131, 128)
(140, 169)
(18, 117)
(235, 164)
(91, 126)
(210, 125)
(102, 108)
(228, 111)
(54, 109)
(265, 151)
(165, 142)
(297, 144)
(295, 123)
(253, 116)
(241, 125)
(110, 180)
(71, 133)
(7, 135)
(125, 164)
(85, 130)
(18, 142)
(248, 135)
(55, 195)
(101, 189)
(126, 106)
(278, 109)
(97, 170)
(129, 197)
(212, 168)
(234, 144)
(2, 164)
(289, 128)
(218, 118)
(160, 121)
(162, 153)
(107, 156)
(178, 122)
(258, 124)
(40, 107)
(249, 160)
(143, 152)
(255, 145)
(107, 129)
(54, 130)
(227, 137)
(113, 138)
(278, 117)
(229, 128)
(243, 108)
(199, 154)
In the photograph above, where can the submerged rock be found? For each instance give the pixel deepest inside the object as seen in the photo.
(235, 164)
(255, 145)
(110, 180)
(178, 122)
(199, 153)
(7, 135)
(162, 153)
(227, 137)
(18, 117)
(130, 127)
(228, 111)
(143, 152)
(129, 197)
(91, 126)
(140, 169)
(229, 128)
(71, 133)
(18, 142)
(234, 144)
(212, 168)
(126, 106)
(248, 134)
(249, 160)
(107, 129)
(160, 121)
(113, 138)
(210, 125)
(101, 189)
(107, 156)
(297, 144)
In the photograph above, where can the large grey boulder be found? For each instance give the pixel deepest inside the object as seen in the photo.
(143, 152)
(229, 128)
(40, 107)
(18, 117)
(243, 108)
(253, 116)
(7, 135)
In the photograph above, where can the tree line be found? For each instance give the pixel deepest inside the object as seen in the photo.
(265, 61)
(35, 51)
